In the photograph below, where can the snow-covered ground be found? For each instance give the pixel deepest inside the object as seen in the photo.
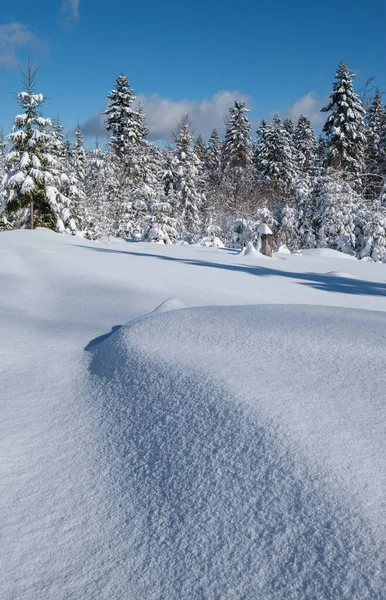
(229, 445)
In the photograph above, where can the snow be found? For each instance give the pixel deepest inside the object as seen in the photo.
(179, 422)
(263, 229)
(250, 251)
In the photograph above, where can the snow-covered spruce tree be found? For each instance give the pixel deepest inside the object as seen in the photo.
(238, 148)
(4, 224)
(168, 173)
(337, 205)
(30, 192)
(186, 169)
(382, 197)
(322, 155)
(262, 145)
(214, 161)
(345, 128)
(200, 150)
(303, 205)
(123, 120)
(3, 144)
(288, 234)
(239, 178)
(161, 222)
(276, 157)
(289, 126)
(76, 163)
(98, 214)
(119, 197)
(131, 164)
(375, 153)
(305, 146)
(146, 159)
(66, 179)
(213, 204)
(79, 156)
(374, 235)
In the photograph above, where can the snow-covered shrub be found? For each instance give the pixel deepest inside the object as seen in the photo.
(262, 215)
(287, 234)
(374, 236)
(241, 233)
(336, 206)
(210, 236)
(161, 223)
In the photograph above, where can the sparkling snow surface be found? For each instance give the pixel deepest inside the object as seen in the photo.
(184, 423)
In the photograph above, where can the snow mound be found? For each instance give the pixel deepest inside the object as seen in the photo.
(326, 253)
(250, 251)
(168, 305)
(341, 274)
(246, 451)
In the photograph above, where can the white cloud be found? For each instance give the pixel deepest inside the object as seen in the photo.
(163, 114)
(15, 37)
(310, 106)
(69, 12)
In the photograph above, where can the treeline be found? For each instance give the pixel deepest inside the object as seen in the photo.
(326, 192)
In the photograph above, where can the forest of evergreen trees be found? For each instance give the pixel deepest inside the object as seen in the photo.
(326, 192)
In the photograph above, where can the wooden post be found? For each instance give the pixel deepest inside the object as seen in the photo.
(266, 238)
(267, 244)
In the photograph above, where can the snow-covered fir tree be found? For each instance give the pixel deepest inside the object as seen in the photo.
(201, 150)
(76, 160)
(98, 216)
(382, 197)
(374, 235)
(168, 174)
(214, 154)
(66, 180)
(161, 221)
(186, 169)
(3, 144)
(4, 224)
(375, 153)
(275, 157)
(239, 176)
(305, 146)
(123, 119)
(303, 205)
(288, 234)
(289, 126)
(30, 185)
(337, 206)
(344, 128)
(238, 147)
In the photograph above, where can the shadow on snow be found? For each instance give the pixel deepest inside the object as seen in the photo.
(318, 281)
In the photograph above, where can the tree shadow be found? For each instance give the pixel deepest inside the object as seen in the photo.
(320, 281)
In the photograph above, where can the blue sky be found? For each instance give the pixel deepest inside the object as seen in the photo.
(194, 57)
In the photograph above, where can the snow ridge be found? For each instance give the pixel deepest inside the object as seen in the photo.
(225, 502)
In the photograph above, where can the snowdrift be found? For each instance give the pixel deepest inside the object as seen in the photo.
(246, 451)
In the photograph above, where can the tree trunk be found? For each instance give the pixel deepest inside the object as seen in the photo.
(31, 213)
